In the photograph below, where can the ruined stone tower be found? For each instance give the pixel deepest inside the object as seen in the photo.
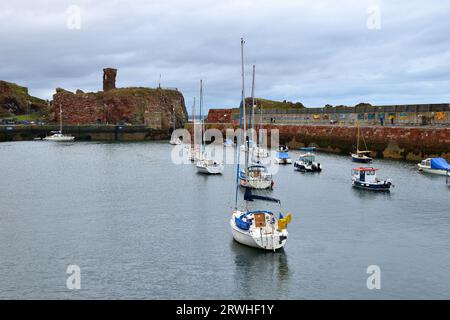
(109, 79)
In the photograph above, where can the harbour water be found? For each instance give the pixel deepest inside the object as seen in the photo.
(142, 227)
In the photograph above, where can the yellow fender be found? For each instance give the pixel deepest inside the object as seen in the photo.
(288, 218)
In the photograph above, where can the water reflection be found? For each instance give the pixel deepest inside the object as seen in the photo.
(370, 194)
(257, 270)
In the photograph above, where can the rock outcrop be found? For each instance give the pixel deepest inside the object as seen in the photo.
(15, 100)
(153, 107)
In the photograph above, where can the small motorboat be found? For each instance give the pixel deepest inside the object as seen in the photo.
(361, 157)
(307, 163)
(282, 158)
(256, 177)
(366, 178)
(434, 166)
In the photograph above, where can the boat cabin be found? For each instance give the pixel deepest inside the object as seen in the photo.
(309, 157)
(426, 163)
(368, 175)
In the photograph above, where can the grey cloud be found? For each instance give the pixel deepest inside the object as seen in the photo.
(316, 52)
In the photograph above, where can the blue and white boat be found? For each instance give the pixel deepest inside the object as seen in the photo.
(282, 156)
(366, 178)
(434, 166)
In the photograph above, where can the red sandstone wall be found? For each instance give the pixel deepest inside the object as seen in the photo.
(219, 116)
(389, 142)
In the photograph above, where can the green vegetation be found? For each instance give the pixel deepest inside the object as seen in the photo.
(271, 104)
(15, 100)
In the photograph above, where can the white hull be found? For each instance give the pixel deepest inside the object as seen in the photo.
(282, 161)
(433, 171)
(270, 242)
(60, 138)
(258, 184)
(204, 167)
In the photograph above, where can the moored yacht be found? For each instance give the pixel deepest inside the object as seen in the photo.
(256, 177)
(261, 229)
(205, 165)
(58, 136)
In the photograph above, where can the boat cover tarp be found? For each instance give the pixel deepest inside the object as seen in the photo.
(282, 155)
(439, 164)
(248, 196)
(308, 149)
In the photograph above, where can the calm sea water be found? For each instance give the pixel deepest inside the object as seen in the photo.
(141, 227)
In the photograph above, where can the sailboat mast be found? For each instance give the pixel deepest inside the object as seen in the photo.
(193, 123)
(260, 124)
(201, 117)
(253, 104)
(241, 113)
(60, 119)
(357, 138)
(246, 144)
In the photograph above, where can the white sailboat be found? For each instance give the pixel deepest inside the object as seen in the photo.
(361, 156)
(256, 228)
(58, 135)
(174, 140)
(205, 165)
(254, 176)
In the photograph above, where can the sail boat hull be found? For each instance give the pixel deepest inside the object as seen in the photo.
(361, 158)
(255, 238)
(209, 167)
(59, 138)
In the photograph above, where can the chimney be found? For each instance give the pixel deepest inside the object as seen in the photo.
(109, 79)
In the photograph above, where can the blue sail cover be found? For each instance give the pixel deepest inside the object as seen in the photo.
(282, 155)
(439, 164)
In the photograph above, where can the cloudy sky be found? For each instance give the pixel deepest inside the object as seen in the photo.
(313, 51)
